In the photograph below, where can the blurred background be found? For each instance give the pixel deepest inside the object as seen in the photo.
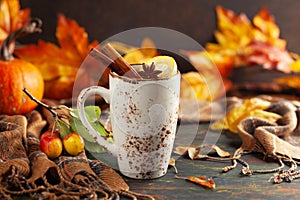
(195, 18)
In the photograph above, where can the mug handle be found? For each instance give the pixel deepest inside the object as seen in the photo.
(84, 94)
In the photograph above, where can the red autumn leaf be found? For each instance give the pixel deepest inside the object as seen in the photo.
(59, 64)
(269, 56)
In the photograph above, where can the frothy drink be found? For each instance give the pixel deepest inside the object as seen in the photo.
(144, 113)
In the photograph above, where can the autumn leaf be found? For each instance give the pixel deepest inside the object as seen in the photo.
(12, 17)
(295, 66)
(242, 42)
(59, 64)
(253, 107)
(172, 164)
(197, 152)
(267, 30)
(268, 56)
(200, 180)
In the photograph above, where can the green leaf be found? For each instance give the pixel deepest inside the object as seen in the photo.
(64, 129)
(93, 147)
(100, 128)
(92, 113)
(78, 127)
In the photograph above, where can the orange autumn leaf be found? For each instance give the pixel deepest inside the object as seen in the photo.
(59, 64)
(203, 181)
(72, 38)
(200, 180)
(11, 17)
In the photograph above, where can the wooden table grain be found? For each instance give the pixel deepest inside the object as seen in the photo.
(230, 185)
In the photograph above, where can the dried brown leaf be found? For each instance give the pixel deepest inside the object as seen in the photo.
(172, 163)
(220, 152)
(198, 151)
(181, 150)
(193, 153)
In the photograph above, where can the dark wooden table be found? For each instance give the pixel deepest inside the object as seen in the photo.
(230, 185)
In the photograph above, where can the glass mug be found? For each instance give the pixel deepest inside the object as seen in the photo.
(144, 114)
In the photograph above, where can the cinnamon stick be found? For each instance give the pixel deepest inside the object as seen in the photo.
(101, 57)
(120, 65)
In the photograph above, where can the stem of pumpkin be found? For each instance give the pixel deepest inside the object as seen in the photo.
(33, 26)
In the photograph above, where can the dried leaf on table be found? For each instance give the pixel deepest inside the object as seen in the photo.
(12, 17)
(172, 164)
(200, 180)
(197, 152)
(59, 64)
(220, 151)
(254, 107)
(181, 150)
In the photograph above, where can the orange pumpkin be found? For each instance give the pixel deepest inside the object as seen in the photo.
(17, 74)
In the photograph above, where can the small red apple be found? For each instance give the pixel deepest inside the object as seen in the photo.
(73, 143)
(51, 144)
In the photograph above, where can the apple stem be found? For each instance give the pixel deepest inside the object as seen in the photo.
(50, 108)
(53, 127)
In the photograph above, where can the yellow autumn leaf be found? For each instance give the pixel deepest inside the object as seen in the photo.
(266, 29)
(253, 107)
(295, 66)
(245, 42)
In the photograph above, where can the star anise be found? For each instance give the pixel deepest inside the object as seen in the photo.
(149, 72)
